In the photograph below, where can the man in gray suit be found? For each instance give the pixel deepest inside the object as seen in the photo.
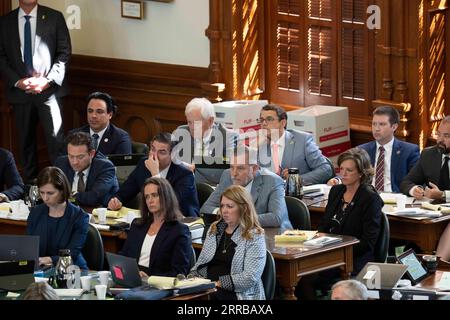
(281, 149)
(34, 51)
(204, 142)
(430, 176)
(266, 188)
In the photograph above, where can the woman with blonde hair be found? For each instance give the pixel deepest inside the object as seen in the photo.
(234, 251)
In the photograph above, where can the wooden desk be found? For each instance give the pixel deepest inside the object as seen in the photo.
(424, 233)
(112, 240)
(294, 262)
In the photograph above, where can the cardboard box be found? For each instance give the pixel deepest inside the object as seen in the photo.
(329, 126)
(239, 115)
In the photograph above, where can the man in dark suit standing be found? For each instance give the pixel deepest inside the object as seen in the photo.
(107, 138)
(159, 164)
(92, 177)
(391, 158)
(11, 184)
(34, 51)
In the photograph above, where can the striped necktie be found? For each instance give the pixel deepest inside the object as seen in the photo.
(379, 173)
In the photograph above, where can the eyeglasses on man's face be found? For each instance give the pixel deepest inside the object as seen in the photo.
(267, 119)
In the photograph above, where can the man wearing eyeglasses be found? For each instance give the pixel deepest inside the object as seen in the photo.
(91, 175)
(281, 149)
(430, 176)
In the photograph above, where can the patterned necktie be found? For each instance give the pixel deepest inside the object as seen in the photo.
(444, 179)
(379, 173)
(95, 136)
(27, 49)
(81, 187)
(276, 158)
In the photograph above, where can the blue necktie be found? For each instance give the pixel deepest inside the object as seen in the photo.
(27, 51)
(95, 136)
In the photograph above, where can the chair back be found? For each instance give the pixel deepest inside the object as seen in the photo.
(204, 190)
(193, 259)
(381, 248)
(269, 276)
(93, 250)
(298, 213)
(139, 147)
(333, 172)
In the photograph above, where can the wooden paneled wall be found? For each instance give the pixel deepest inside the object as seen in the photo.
(151, 96)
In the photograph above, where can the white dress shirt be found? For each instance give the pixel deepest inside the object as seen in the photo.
(33, 22)
(144, 259)
(100, 134)
(76, 177)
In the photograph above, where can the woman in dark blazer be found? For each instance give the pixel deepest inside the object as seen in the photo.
(159, 242)
(59, 223)
(354, 207)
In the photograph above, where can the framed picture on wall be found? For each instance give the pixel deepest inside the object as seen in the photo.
(132, 9)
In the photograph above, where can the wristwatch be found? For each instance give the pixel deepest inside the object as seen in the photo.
(443, 195)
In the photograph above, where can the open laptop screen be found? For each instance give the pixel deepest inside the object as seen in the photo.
(19, 247)
(125, 164)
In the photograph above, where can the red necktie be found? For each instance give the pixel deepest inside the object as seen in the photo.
(379, 173)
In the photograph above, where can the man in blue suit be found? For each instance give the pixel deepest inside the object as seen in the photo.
(11, 184)
(265, 187)
(282, 149)
(92, 177)
(399, 156)
(159, 164)
(107, 138)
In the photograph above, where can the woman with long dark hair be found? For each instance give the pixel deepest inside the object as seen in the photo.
(159, 242)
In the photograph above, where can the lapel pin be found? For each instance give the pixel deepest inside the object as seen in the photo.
(398, 151)
(106, 140)
(43, 17)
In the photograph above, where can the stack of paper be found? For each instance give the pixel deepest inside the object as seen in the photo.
(295, 236)
(123, 212)
(164, 283)
(322, 241)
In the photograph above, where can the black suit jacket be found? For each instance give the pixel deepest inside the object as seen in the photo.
(101, 183)
(11, 183)
(114, 140)
(54, 36)
(427, 169)
(181, 179)
(362, 220)
(171, 251)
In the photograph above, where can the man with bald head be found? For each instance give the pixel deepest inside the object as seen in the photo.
(265, 187)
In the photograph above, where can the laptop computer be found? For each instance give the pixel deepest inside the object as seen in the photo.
(381, 275)
(124, 271)
(16, 275)
(19, 248)
(125, 164)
